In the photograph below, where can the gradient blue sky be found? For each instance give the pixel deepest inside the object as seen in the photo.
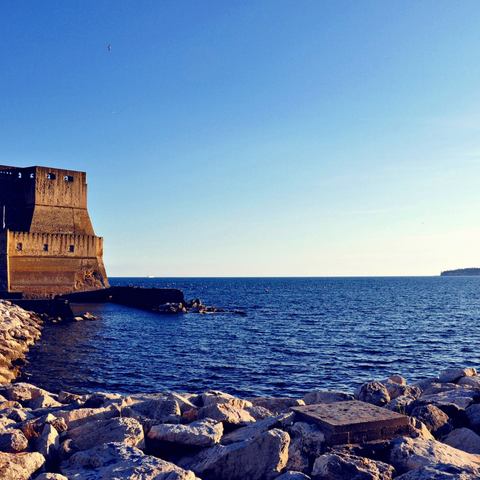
(255, 138)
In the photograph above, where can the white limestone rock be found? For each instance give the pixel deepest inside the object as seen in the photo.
(214, 397)
(226, 413)
(202, 433)
(154, 412)
(23, 392)
(408, 454)
(464, 439)
(454, 374)
(80, 416)
(346, 467)
(259, 413)
(43, 401)
(260, 458)
(326, 396)
(20, 466)
(254, 429)
(117, 461)
(119, 430)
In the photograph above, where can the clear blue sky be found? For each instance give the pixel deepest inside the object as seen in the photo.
(255, 138)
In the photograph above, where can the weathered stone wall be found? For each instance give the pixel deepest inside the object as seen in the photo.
(48, 245)
(3, 261)
(45, 200)
(44, 265)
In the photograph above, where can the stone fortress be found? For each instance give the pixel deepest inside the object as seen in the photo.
(47, 243)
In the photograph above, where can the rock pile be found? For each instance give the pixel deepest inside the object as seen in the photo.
(216, 436)
(18, 330)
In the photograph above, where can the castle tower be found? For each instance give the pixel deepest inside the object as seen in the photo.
(47, 242)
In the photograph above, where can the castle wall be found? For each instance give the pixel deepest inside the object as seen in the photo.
(47, 245)
(3, 261)
(44, 265)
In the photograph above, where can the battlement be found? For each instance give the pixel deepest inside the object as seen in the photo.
(47, 242)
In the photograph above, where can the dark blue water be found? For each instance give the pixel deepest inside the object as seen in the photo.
(299, 334)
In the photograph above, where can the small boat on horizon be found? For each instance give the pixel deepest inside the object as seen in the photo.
(150, 276)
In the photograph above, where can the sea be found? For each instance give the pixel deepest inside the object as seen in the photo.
(276, 337)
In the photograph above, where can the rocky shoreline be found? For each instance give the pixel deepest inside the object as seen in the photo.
(213, 435)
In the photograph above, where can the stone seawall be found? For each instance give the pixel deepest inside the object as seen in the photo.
(384, 430)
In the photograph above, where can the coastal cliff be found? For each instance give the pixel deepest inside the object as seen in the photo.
(428, 429)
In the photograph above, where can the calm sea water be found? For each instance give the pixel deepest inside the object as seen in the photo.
(298, 334)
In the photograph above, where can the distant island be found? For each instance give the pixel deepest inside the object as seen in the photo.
(460, 272)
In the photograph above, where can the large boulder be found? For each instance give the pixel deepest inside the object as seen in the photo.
(408, 454)
(435, 420)
(260, 458)
(347, 467)
(454, 374)
(117, 461)
(202, 433)
(464, 439)
(227, 414)
(473, 415)
(80, 416)
(373, 392)
(214, 397)
(254, 429)
(307, 442)
(470, 381)
(48, 444)
(120, 430)
(43, 401)
(154, 412)
(396, 390)
(20, 466)
(12, 441)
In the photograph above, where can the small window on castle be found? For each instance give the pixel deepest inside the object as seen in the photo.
(71, 248)
(51, 176)
(19, 246)
(45, 247)
(32, 175)
(19, 174)
(68, 178)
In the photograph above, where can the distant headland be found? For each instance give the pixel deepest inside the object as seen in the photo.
(460, 272)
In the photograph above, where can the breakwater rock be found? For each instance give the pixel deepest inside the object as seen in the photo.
(18, 330)
(384, 430)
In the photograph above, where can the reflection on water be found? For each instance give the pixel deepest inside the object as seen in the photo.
(299, 334)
